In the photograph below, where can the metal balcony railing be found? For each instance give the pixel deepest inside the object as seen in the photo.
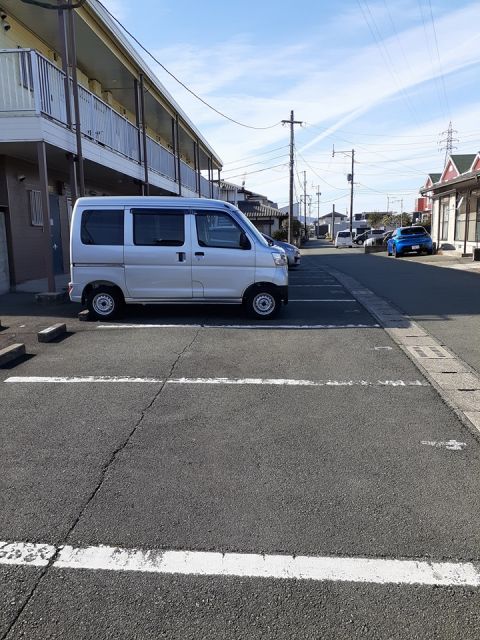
(31, 83)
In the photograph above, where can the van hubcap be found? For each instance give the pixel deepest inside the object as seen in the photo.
(264, 303)
(103, 304)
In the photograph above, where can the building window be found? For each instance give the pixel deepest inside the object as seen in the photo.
(474, 222)
(35, 207)
(102, 227)
(460, 217)
(444, 216)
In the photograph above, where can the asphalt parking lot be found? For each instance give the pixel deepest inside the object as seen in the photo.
(242, 446)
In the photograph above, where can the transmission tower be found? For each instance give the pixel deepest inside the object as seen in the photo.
(446, 141)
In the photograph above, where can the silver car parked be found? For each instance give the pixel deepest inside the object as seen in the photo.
(293, 253)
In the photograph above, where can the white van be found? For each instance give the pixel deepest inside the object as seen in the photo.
(343, 239)
(157, 249)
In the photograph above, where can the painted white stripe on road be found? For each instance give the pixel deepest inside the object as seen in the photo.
(451, 445)
(279, 567)
(240, 326)
(327, 286)
(80, 379)
(300, 383)
(26, 553)
(211, 381)
(323, 300)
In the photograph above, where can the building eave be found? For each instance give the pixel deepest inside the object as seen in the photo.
(116, 33)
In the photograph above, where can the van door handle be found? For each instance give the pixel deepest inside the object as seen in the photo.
(181, 256)
(199, 253)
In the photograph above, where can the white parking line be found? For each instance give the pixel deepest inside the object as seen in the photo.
(451, 445)
(239, 326)
(328, 286)
(253, 565)
(219, 381)
(323, 300)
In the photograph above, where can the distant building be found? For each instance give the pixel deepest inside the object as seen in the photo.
(264, 213)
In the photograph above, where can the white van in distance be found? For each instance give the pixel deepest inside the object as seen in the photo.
(343, 239)
(157, 249)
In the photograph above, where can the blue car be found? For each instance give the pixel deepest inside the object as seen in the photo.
(408, 239)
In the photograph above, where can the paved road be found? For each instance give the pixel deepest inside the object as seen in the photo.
(445, 301)
(181, 430)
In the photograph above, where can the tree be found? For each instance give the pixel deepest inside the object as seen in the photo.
(376, 219)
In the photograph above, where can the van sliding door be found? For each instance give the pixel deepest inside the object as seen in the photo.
(158, 259)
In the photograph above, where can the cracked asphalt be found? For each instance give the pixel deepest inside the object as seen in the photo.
(322, 471)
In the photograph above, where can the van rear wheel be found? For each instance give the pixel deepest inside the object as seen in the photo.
(104, 303)
(262, 304)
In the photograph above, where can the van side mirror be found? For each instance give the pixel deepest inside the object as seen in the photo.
(244, 241)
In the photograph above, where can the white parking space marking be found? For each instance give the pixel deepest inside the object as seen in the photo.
(252, 565)
(239, 326)
(328, 286)
(80, 379)
(300, 383)
(451, 445)
(26, 553)
(323, 300)
(380, 348)
(210, 381)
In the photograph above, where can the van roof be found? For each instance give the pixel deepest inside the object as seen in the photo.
(132, 201)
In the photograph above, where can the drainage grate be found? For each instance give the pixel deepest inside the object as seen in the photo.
(429, 352)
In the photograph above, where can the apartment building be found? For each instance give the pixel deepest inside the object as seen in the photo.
(133, 137)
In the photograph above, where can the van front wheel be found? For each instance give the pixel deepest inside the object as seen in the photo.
(104, 303)
(262, 304)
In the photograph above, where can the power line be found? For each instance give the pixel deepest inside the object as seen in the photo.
(385, 55)
(245, 166)
(255, 155)
(248, 173)
(439, 59)
(220, 113)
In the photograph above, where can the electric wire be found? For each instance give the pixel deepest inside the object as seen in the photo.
(220, 113)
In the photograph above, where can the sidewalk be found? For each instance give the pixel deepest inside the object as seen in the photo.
(450, 262)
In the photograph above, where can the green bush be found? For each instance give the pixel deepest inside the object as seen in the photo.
(280, 234)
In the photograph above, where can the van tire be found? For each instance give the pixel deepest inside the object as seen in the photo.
(104, 303)
(262, 304)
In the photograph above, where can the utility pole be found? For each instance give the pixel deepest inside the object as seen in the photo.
(350, 179)
(318, 194)
(333, 222)
(291, 122)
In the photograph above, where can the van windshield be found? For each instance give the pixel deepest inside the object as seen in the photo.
(343, 234)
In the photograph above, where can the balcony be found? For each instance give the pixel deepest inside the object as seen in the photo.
(31, 85)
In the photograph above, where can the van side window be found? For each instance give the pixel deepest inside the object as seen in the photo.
(217, 229)
(158, 227)
(102, 226)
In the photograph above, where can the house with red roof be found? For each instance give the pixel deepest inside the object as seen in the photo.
(453, 197)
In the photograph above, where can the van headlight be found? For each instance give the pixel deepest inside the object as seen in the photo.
(280, 259)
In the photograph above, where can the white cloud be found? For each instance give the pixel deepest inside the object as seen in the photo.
(330, 84)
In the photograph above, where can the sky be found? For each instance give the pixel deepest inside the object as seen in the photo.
(382, 77)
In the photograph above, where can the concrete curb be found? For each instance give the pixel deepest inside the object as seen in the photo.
(49, 334)
(11, 353)
(456, 382)
(375, 249)
(52, 298)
